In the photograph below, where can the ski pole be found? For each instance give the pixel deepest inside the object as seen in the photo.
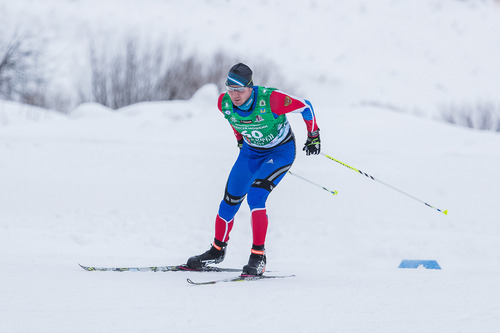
(445, 212)
(313, 183)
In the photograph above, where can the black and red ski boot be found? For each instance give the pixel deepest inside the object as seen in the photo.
(215, 255)
(257, 261)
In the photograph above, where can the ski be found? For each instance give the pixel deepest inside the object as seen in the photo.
(240, 278)
(176, 268)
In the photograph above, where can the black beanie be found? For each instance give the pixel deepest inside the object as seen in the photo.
(240, 75)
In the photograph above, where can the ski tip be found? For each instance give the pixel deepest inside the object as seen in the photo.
(191, 282)
(85, 267)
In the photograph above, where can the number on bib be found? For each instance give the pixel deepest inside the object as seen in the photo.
(254, 134)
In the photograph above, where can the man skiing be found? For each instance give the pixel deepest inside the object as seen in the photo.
(267, 150)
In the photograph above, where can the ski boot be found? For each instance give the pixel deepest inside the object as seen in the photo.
(213, 256)
(257, 261)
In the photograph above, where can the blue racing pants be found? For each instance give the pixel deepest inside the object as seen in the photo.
(255, 174)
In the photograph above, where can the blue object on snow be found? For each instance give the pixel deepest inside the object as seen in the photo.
(429, 264)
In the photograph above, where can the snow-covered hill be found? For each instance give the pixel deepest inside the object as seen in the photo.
(415, 56)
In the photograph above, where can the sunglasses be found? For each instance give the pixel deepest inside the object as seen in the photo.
(239, 89)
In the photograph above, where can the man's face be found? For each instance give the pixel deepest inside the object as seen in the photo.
(239, 97)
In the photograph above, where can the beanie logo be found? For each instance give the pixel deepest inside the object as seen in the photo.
(262, 102)
(288, 100)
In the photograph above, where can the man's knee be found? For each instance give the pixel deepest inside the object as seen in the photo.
(257, 197)
(230, 205)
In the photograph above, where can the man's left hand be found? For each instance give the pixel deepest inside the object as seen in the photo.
(313, 143)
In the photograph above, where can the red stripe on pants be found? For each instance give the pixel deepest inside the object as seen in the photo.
(259, 226)
(222, 229)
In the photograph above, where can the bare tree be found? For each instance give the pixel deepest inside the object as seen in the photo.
(483, 115)
(140, 73)
(21, 75)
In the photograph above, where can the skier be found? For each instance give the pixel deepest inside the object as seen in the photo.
(257, 115)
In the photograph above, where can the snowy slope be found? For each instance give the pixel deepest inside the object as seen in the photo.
(141, 186)
(133, 188)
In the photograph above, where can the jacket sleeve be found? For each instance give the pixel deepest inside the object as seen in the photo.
(282, 103)
(237, 134)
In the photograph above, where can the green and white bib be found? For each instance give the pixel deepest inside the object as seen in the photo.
(260, 128)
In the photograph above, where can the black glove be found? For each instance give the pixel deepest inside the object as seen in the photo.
(240, 143)
(313, 144)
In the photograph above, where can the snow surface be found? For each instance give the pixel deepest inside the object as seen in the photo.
(141, 186)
